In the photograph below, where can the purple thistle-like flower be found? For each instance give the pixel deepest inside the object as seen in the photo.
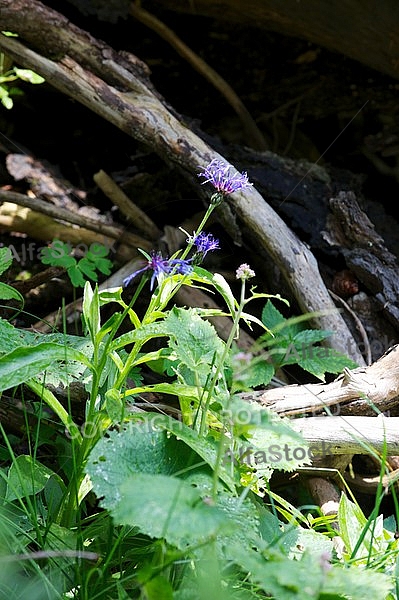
(161, 266)
(205, 242)
(180, 266)
(218, 174)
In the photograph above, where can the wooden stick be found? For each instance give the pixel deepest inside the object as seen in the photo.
(142, 115)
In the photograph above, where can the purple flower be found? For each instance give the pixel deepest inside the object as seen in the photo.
(180, 266)
(218, 174)
(205, 242)
(161, 266)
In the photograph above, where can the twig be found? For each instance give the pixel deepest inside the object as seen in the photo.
(139, 218)
(359, 326)
(255, 135)
(58, 213)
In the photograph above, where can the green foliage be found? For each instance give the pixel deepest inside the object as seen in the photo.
(289, 343)
(9, 73)
(58, 254)
(6, 291)
(167, 507)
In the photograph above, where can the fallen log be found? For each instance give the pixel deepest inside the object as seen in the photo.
(117, 88)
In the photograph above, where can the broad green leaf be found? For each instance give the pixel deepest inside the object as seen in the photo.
(353, 525)
(307, 337)
(206, 448)
(166, 507)
(356, 583)
(158, 588)
(278, 575)
(27, 477)
(139, 448)
(60, 372)
(23, 363)
(7, 292)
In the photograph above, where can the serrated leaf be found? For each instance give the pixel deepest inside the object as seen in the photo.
(319, 360)
(76, 277)
(258, 372)
(307, 337)
(59, 373)
(194, 341)
(271, 316)
(279, 576)
(23, 363)
(104, 265)
(88, 268)
(57, 254)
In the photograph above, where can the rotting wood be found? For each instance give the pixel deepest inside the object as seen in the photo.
(375, 386)
(139, 112)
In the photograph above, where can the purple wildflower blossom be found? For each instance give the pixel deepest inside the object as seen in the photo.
(205, 242)
(218, 174)
(161, 266)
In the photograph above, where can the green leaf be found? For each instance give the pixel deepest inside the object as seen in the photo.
(206, 448)
(60, 373)
(88, 268)
(139, 448)
(158, 588)
(319, 360)
(307, 337)
(104, 265)
(271, 316)
(23, 363)
(354, 526)
(5, 259)
(7, 292)
(166, 507)
(57, 254)
(194, 341)
(91, 310)
(76, 277)
(27, 477)
(97, 251)
(28, 75)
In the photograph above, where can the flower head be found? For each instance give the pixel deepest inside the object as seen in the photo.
(218, 174)
(161, 266)
(244, 271)
(205, 242)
